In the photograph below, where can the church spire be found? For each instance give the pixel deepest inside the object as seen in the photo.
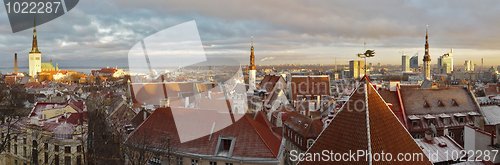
(34, 47)
(427, 57)
(252, 58)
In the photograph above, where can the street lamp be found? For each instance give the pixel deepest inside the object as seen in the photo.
(367, 54)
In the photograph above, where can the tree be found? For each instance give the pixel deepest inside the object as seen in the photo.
(148, 144)
(12, 113)
(103, 145)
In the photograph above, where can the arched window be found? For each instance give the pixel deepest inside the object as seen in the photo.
(310, 142)
(451, 134)
(34, 152)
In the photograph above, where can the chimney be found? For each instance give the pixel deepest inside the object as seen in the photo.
(209, 94)
(51, 61)
(445, 131)
(186, 102)
(144, 116)
(15, 63)
(428, 136)
(318, 101)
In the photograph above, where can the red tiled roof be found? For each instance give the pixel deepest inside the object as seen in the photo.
(252, 138)
(303, 124)
(309, 85)
(348, 130)
(151, 93)
(415, 99)
(492, 90)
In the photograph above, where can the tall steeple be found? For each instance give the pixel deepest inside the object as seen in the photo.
(34, 47)
(427, 57)
(252, 58)
(251, 72)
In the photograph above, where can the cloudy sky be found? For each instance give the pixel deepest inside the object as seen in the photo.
(100, 33)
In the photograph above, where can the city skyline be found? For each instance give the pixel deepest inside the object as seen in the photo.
(99, 34)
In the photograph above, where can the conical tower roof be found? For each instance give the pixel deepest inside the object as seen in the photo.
(365, 123)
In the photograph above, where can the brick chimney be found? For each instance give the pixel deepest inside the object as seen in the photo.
(428, 137)
(15, 63)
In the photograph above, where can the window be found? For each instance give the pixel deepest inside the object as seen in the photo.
(227, 144)
(79, 148)
(213, 163)
(56, 148)
(79, 160)
(46, 161)
(462, 136)
(15, 149)
(25, 152)
(418, 136)
(178, 161)
(415, 123)
(56, 159)
(426, 105)
(431, 121)
(461, 120)
(310, 142)
(44, 116)
(440, 104)
(229, 163)
(24, 141)
(451, 134)
(446, 121)
(454, 103)
(194, 162)
(67, 160)
(46, 146)
(67, 149)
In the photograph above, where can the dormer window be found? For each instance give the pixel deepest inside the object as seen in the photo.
(461, 120)
(440, 104)
(415, 123)
(446, 121)
(225, 146)
(431, 121)
(454, 103)
(426, 105)
(305, 125)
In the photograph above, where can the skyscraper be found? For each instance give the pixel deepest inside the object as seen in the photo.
(405, 63)
(356, 69)
(427, 58)
(469, 65)
(445, 62)
(251, 72)
(35, 56)
(414, 62)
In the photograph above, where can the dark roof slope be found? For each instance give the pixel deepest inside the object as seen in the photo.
(414, 101)
(349, 132)
(253, 139)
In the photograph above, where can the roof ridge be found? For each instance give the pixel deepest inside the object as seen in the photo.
(328, 125)
(369, 140)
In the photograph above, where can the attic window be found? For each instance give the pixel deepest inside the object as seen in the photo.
(299, 121)
(305, 125)
(440, 104)
(454, 103)
(426, 105)
(225, 146)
